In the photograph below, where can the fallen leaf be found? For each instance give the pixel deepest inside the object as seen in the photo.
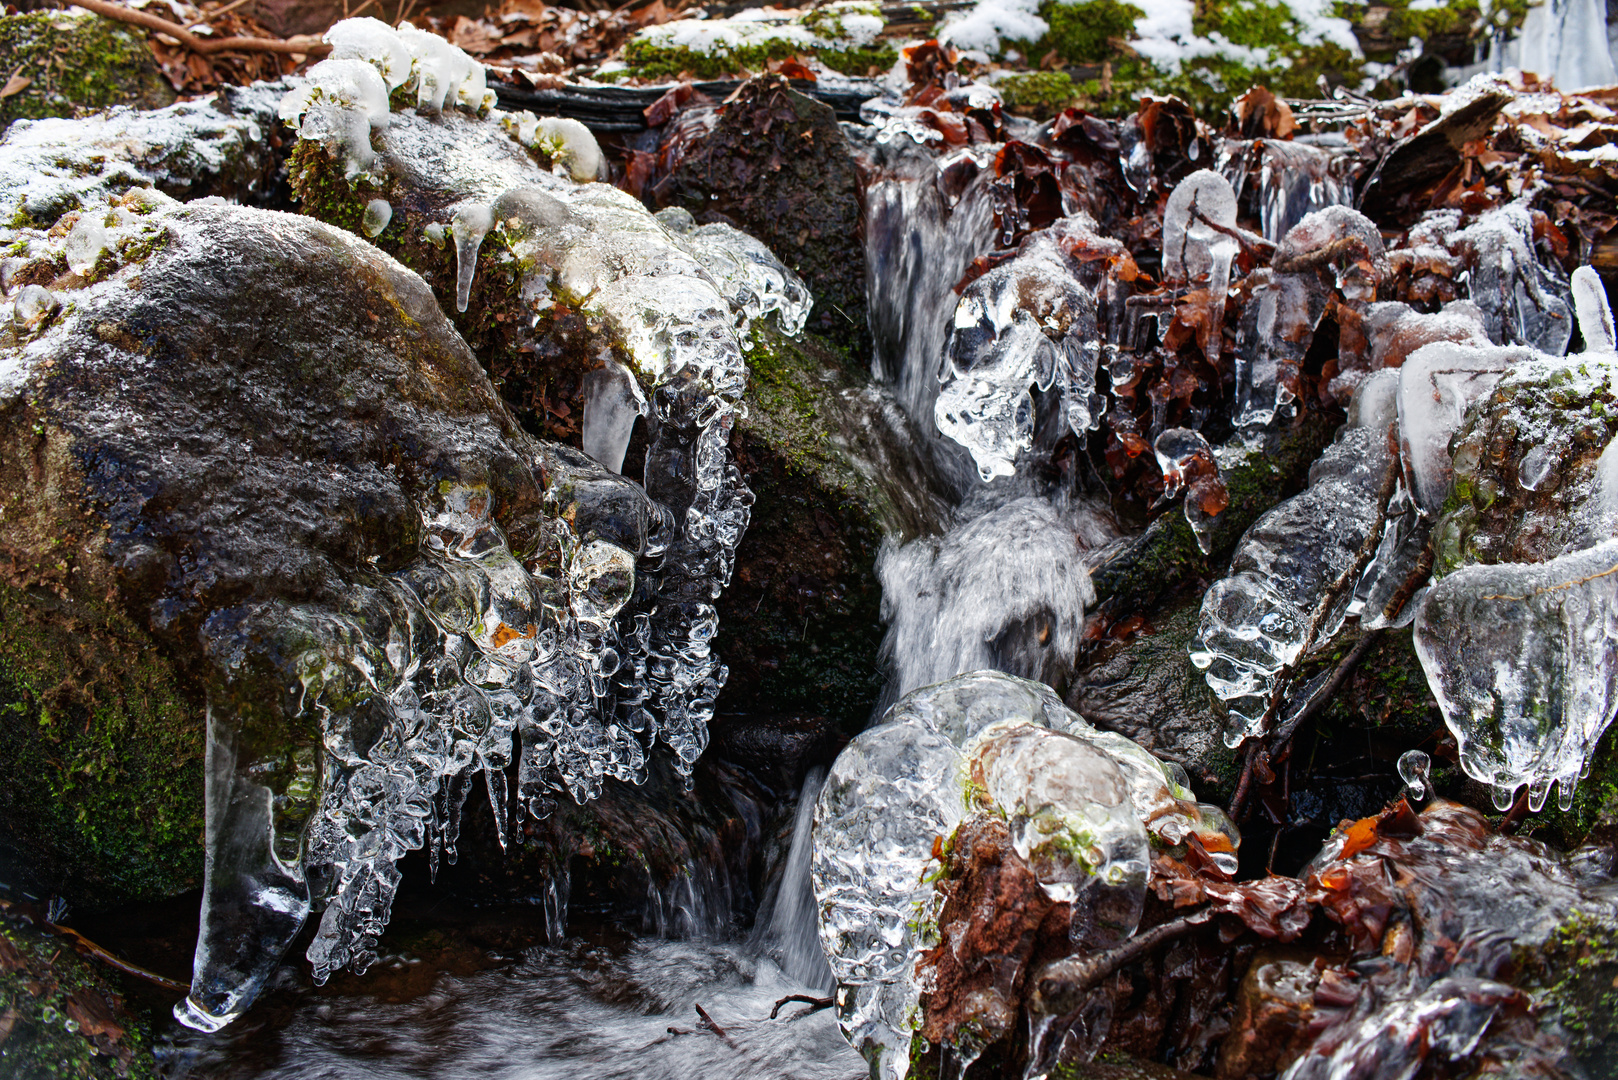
(16, 84)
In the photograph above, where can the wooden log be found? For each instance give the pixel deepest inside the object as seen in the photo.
(623, 108)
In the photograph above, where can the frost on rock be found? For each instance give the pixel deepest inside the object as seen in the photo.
(1079, 804)
(840, 26)
(1028, 324)
(1259, 618)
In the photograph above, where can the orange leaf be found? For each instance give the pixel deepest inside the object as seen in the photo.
(16, 84)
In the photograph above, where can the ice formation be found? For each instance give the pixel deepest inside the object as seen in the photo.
(1199, 241)
(590, 651)
(1564, 40)
(1189, 465)
(1332, 253)
(1413, 768)
(1523, 657)
(571, 148)
(377, 215)
(1294, 180)
(1079, 804)
(1524, 299)
(1259, 619)
(1005, 590)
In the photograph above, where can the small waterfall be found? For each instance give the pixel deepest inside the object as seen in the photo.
(792, 935)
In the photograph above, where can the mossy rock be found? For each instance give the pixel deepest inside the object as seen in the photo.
(778, 167)
(61, 1016)
(1573, 978)
(1166, 557)
(76, 62)
(1039, 94)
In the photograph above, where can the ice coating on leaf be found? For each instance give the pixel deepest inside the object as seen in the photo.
(1524, 299)
(470, 225)
(1523, 660)
(377, 215)
(1079, 803)
(612, 403)
(1072, 821)
(1257, 620)
(1006, 590)
(1294, 180)
(1199, 222)
(1595, 313)
(1188, 465)
(1028, 323)
(1335, 250)
(1436, 385)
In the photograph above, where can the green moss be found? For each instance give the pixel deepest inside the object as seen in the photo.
(62, 1016)
(1039, 94)
(652, 61)
(1574, 978)
(1594, 815)
(90, 709)
(76, 62)
(1085, 33)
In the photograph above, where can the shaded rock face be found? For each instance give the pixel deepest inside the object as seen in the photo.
(76, 61)
(252, 414)
(776, 165)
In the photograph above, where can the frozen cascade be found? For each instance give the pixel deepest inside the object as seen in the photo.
(1562, 39)
(1525, 300)
(926, 219)
(1029, 323)
(592, 648)
(793, 933)
(1005, 590)
(1332, 254)
(1294, 179)
(1258, 619)
(980, 742)
(1523, 657)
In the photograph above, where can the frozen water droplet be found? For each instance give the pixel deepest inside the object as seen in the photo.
(377, 215)
(1535, 466)
(1413, 768)
(33, 303)
(85, 243)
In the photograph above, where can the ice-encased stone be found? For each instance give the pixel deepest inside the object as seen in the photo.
(1028, 323)
(1523, 659)
(377, 215)
(754, 281)
(1257, 620)
(1072, 821)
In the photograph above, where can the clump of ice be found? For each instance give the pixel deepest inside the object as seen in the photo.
(1079, 804)
(378, 213)
(568, 144)
(836, 27)
(339, 104)
(1524, 299)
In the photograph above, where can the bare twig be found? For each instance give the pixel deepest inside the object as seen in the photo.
(1061, 986)
(303, 44)
(1319, 697)
(815, 1004)
(86, 947)
(713, 1025)
(216, 12)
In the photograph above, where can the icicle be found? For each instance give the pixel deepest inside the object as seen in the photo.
(1413, 768)
(1199, 224)
(612, 404)
(1188, 463)
(470, 225)
(1595, 314)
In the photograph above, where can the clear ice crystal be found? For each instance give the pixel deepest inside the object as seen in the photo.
(1414, 766)
(1525, 299)
(31, 304)
(86, 240)
(1199, 241)
(1257, 620)
(1188, 464)
(1523, 660)
(613, 401)
(1028, 323)
(748, 274)
(1079, 802)
(377, 215)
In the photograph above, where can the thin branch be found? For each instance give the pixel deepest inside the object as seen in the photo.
(303, 44)
(815, 1004)
(1061, 986)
